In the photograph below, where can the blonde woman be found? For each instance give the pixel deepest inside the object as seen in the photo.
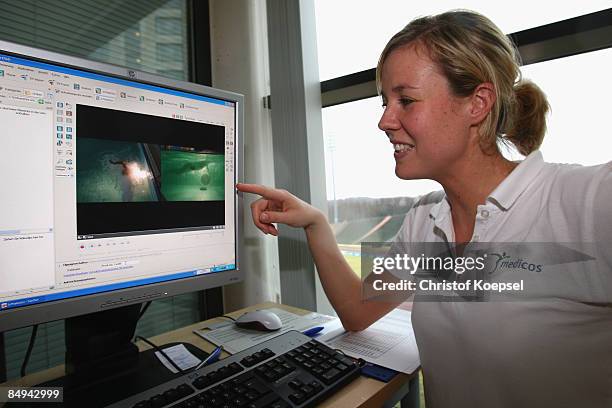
(452, 91)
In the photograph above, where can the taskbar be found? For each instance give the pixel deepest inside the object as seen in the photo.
(114, 286)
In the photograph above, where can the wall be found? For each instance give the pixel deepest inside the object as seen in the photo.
(240, 63)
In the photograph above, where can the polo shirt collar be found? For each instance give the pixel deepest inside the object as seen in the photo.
(510, 189)
(507, 192)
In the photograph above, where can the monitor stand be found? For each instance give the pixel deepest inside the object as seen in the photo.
(102, 363)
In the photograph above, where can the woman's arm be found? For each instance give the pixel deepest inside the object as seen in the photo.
(342, 286)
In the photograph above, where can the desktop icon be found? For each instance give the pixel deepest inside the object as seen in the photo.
(98, 90)
(69, 136)
(141, 99)
(69, 161)
(68, 120)
(1, 72)
(160, 101)
(123, 95)
(68, 129)
(59, 143)
(60, 128)
(68, 113)
(41, 101)
(59, 119)
(51, 82)
(182, 105)
(60, 112)
(60, 136)
(24, 77)
(60, 105)
(77, 87)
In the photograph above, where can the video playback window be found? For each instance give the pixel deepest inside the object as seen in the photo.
(142, 174)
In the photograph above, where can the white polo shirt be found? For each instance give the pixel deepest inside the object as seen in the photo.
(551, 350)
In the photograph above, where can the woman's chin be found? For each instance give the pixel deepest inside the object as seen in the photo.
(406, 173)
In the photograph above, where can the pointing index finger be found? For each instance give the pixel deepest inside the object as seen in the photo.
(266, 192)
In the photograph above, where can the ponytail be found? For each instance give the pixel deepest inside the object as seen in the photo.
(527, 125)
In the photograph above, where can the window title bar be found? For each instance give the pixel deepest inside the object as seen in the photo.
(106, 78)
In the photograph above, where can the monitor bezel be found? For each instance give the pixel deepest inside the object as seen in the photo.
(75, 306)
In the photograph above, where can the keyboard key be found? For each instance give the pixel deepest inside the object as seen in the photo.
(280, 404)
(308, 391)
(345, 360)
(157, 401)
(297, 397)
(330, 376)
(267, 352)
(296, 384)
(143, 404)
(257, 386)
(239, 401)
(171, 396)
(264, 402)
(342, 367)
(184, 390)
(201, 383)
(251, 395)
(248, 361)
(316, 386)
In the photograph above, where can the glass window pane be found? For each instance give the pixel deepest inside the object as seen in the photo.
(169, 52)
(352, 33)
(121, 33)
(367, 202)
(168, 25)
(578, 90)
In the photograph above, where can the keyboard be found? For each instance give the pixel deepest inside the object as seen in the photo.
(290, 370)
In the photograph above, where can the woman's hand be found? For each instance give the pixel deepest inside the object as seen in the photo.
(279, 206)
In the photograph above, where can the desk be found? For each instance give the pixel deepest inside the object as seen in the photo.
(363, 392)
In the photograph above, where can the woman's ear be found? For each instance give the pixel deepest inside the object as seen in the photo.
(482, 101)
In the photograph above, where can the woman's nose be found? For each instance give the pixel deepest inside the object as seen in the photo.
(387, 121)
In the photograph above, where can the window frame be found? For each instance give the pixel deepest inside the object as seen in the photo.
(586, 33)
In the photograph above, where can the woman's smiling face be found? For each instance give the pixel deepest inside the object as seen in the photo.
(428, 126)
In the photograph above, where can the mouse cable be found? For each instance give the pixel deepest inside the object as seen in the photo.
(26, 359)
(162, 352)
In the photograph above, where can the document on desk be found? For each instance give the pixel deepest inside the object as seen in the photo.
(389, 342)
(234, 339)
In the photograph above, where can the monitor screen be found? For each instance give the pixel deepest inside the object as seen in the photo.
(109, 182)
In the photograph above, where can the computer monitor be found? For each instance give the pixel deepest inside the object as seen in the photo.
(118, 186)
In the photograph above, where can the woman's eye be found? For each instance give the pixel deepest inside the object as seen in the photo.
(405, 101)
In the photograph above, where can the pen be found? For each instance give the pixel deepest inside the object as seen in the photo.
(212, 357)
(313, 331)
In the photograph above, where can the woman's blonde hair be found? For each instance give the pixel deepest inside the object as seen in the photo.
(470, 50)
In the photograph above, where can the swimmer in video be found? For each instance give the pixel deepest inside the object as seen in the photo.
(131, 175)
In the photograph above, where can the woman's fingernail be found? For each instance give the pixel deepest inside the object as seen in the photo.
(264, 217)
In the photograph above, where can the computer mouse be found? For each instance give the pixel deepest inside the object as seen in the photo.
(259, 320)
